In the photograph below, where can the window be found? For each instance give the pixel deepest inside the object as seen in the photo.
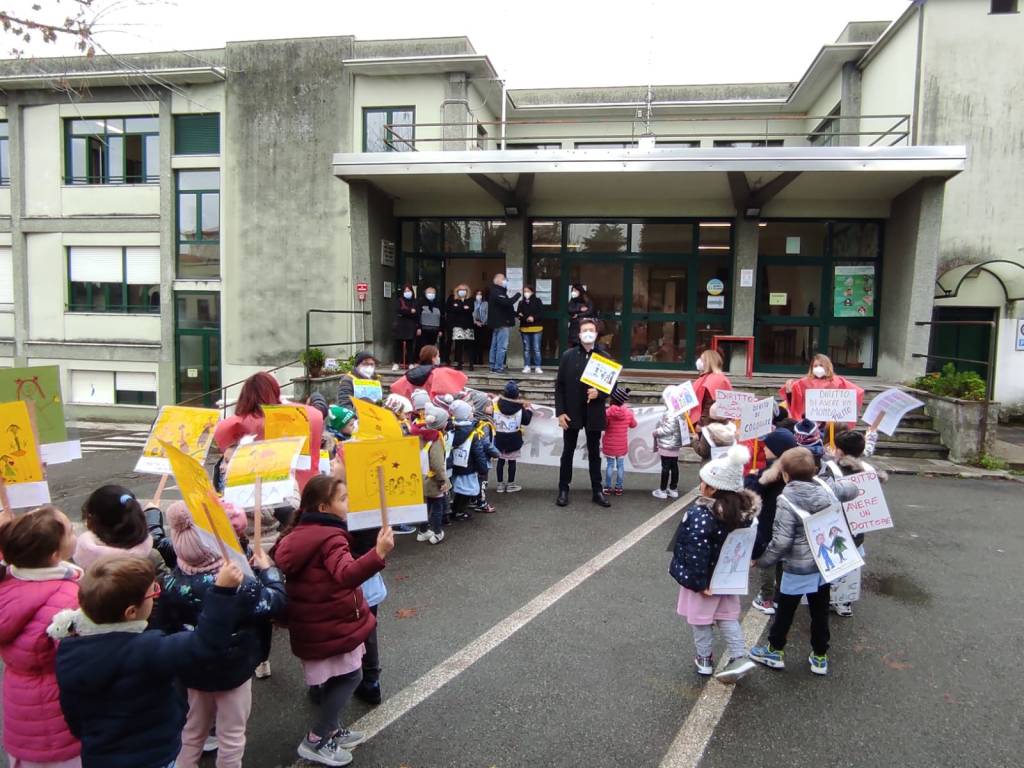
(673, 144)
(198, 224)
(748, 144)
(1004, 6)
(532, 145)
(6, 277)
(135, 388)
(827, 134)
(604, 145)
(5, 155)
(603, 237)
(113, 388)
(112, 151)
(389, 129)
(197, 134)
(103, 279)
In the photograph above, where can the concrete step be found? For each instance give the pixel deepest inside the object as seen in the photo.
(912, 450)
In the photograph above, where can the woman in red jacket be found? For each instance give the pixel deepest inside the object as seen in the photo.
(820, 375)
(328, 617)
(706, 386)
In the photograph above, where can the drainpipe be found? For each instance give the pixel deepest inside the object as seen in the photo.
(504, 101)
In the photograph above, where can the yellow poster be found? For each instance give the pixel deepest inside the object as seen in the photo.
(19, 447)
(271, 460)
(190, 430)
(196, 490)
(403, 478)
(601, 373)
(286, 421)
(375, 422)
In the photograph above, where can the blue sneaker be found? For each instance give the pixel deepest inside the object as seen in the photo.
(770, 657)
(819, 664)
(403, 528)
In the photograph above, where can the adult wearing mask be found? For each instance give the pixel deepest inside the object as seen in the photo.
(580, 407)
(707, 385)
(361, 383)
(501, 316)
(528, 312)
(821, 375)
(428, 312)
(405, 328)
(458, 311)
(480, 330)
(580, 307)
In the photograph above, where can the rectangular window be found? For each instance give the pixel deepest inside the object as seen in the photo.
(603, 237)
(6, 276)
(112, 151)
(114, 279)
(827, 134)
(5, 155)
(532, 145)
(389, 129)
(198, 224)
(197, 134)
(748, 144)
(92, 387)
(135, 388)
(604, 145)
(1004, 6)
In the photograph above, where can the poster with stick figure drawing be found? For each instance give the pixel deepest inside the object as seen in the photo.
(832, 543)
(403, 482)
(20, 465)
(190, 430)
(732, 572)
(40, 385)
(270, 460)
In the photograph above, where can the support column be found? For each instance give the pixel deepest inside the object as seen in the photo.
(372, 221)
(19, 249)
(849, 105)
(455, 113)
(744, 304)
(515, 256)
(167, 371)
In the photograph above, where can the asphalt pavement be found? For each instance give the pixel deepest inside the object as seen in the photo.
(925, 673)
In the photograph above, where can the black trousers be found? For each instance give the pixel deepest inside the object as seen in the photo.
(463, 352)
(785, 609)
(669, 473)
(426, 337)
(482, 346)
(569, 439)
(371, 656)
(405, 351)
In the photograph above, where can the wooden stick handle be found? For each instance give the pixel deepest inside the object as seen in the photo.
(155, 501)
(877, 421)
(832, 435)
(383, 498)
(689, 423)
(5, 501)
(209, 518)
(257, 515)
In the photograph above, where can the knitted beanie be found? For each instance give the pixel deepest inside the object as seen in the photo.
(398, 404)
(726, 473)
(722, 434)
(511, 390)
(807, 433)
(620, 395)
(435, 418)
(362, 357)
(338, 418)
(419, 399)
(462, 411)
(779, 441)
(193, 555)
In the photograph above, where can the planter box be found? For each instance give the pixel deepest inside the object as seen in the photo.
(962, 424)
(327, 386)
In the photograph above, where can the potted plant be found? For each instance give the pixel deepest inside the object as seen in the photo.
(313, 358)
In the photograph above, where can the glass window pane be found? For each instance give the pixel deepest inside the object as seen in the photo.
(87, 127)
(4, 129)
(716, 273)
(657, 341)
(603, 282)
(197, 310)
(791, 345)
(78, 161)
(211, 216)
(143, 298)
(96, 152)
(715, 236)
(545, 277)
(790, 290)
(659, 288)
(373, 130)
(5, 161)
(142, 125)
(854, 240)
(792, 238)
(408, 236)
(115, 126)
(192, 180)
(115, 159)
(152, 158)
(851, 346)
(78, 301)
(198, 261)
(662, 238)
(609, 335)
(705, 333)
(474, 236)
(430, 236)
(403, 132)
(603, 237)
(549, 349)
(546, 236)
(190, 366)
(187, 217)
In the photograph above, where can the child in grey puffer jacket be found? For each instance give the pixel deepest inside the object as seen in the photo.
(668, 440)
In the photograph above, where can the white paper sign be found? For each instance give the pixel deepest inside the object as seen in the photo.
(732, 571)
(746, 278)
(60, 453)
(716, 302)
(388, 288)
(680, 398)
(1020, 336)
(839, 405)
(729, 402)
(846, 589)
(869, 511)
(514, 280)
(792, 246)
(831, 543)
(892, 405)
(544, 292)
(755, 418)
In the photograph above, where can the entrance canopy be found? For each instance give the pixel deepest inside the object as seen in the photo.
(1010, 275)
(762, 181)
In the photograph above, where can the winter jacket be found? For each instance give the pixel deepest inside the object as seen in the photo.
(789, 541)
(529, 308)
(478, 463)
(117, 684)
(796, 400)
(501, 310)
(435, 479)
(510, 442)
(767, 484)
(34, 726)
(458, 312)
(668, 436)
(327, 613)
(699, 541)
(406, 319)
(571, 393)
(620, 419)
(480, 311)
(578, 309)
(258, 603)
(89, 549)
(429, 314)
(347, 390)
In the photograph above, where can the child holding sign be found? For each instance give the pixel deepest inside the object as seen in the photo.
(722, 507)
(668, 441)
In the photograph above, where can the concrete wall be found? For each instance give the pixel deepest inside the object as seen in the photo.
(373, 221)
(887, 81)
(424, 92)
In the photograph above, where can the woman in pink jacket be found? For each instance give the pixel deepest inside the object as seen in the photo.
(615, 443)
(38, 583)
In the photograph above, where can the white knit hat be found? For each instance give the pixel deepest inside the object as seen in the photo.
(419, 399)
(726, 473)
(461, 411)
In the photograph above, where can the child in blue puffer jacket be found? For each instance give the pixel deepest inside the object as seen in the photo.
(468, 460)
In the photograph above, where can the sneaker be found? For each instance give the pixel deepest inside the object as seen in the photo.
(263, 670)
(526, 369)
(606, 491)
(618, 491)
(705, 664)
(738, 667)
(424, 535)
(369, 692)
(513, 488)
(395, 367)
(486, 509)
(210, 745)
(767, 607)
(765, 654)
(537, 370)
(819, 664)
(402, 528)
(464, 515)
(437, 538)
(659, 494)
(327, 751)
(843, 609)
(499, 488)
(673, 493)
(349, 739)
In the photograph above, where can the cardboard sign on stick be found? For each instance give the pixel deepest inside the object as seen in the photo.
(680, 399)
(869, 511)
(40, 385)
(755, 419)
(886, 410)
(732, 572)
(833, 405)
(730, 403)
(289, 421)
(271, 461)
(601, 373)
(399, 461)
(189, 430)
(376, 422)
(20, 463)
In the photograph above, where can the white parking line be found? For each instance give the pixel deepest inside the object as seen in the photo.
(398, 705)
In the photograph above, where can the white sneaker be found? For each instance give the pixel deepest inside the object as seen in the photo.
(673, 493)
(263, 670)
(210, 745)
(513, 488)
(437, 538)
(537, 370)
(424, 535)
(659, 494)
(395, 367)
(499, 488)
(526, 369)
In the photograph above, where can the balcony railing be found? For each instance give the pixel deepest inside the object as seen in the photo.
(616, 132)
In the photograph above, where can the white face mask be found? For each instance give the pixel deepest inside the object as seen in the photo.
(588, 337)
(527, 294)
(366, 371)
(700, 365)
(479, 297)
(818, 371)
(431, 295)
(407, 294)
(462, 294)
(574, 294)
(437, 361)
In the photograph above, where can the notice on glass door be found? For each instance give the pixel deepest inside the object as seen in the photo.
(514, 277)
(544, 292)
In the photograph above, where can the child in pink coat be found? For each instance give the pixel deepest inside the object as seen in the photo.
(615, 443)
(38, 583)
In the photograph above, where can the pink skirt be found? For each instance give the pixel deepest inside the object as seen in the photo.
(74, 762)
(700, 610)
(319, 671)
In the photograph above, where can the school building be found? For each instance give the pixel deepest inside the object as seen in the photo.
(167, 219)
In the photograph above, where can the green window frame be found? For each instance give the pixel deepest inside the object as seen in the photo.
(5, 154)
(197, 249)
(112, 150)
(390, 115)
(197, 134)
(120, 297)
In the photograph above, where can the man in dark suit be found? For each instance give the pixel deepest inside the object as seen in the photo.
(579, 406)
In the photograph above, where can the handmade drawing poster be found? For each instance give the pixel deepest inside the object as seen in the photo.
(889, 408)
(40, 385)
(838, 405)
(846, 589)
(288, 421)
(403, 482)
(601, 373)
(20, 463)
(680, 398)
(869, 511)
(270, 460)
(755, 419)
(732, 572)
(730, 402)
(190, 430)
(375, 422)
(831, 543)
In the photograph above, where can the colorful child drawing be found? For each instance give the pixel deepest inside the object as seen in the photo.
(736, 557)
(19, 452)
(39, 385)
(838, 543)
(823, 551)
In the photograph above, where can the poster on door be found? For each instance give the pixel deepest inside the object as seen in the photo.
(854, 292)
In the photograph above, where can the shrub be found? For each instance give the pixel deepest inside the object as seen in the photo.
(949, 382)
(313, 358)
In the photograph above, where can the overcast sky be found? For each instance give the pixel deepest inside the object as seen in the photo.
(532, 43)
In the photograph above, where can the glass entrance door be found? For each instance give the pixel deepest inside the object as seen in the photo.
(197, 348)
(657, 317)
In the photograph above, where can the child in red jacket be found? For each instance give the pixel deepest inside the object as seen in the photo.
(328, 617)
(615, 444)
